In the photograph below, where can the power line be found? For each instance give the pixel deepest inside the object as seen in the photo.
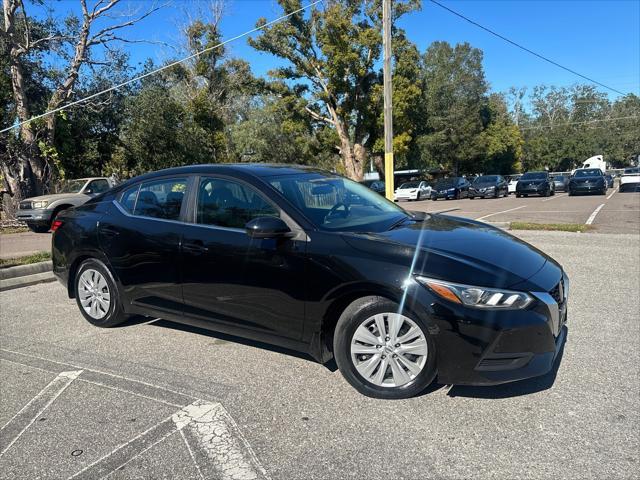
(580, 123)
(546, 59)
(164, 67)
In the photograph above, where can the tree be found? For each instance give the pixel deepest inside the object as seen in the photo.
(455, 97)
(501, 141)
(333, 53)
(77, 43)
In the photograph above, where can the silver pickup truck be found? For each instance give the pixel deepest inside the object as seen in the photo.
(40, 212)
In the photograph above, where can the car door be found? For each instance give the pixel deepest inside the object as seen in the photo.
(233, 279)
(140, 236)
(463, 186)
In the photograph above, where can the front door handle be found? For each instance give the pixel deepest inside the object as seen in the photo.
(195, 248)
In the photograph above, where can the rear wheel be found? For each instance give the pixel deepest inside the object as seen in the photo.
(97, 295)
(383, 353)
(518, 195)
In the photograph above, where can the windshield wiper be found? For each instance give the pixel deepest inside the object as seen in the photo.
(399, 222)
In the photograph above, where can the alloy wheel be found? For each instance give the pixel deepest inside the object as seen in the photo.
(94, 295)
(389, 350)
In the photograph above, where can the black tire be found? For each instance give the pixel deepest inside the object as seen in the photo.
(38, 228)
(418, 197)
(518, 195)
(434, 199)
(471, 197)
(358, 312)
(570, 194)
(115, 314)
(553, 192)
(547, 193)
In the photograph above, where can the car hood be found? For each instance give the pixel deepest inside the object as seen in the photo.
(458, 250)
(55, 196)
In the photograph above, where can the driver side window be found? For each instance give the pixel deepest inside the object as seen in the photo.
(226, 203)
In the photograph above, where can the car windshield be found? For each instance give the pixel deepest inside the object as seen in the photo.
(559, 178)
(486, 179)
(534, 176)
(335, 203)
(71, 186)
(631, 171)
(409, 185)
(591, 172)
(447, 183)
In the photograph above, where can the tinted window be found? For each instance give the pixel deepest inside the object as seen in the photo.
(99, 186)
(128, 198)
(225, 203)
(592, 172)
(446, 183)
(409, 185)
(161, 199)
(534, 176)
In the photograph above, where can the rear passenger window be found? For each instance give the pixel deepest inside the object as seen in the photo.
(161, 199)
(128, 199)
(225, 203)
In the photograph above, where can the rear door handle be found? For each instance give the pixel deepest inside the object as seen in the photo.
(195, 248)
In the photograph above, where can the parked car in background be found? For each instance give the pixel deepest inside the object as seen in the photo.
(630, 180)
(513, 181)
(588, 180)
(560, 183)
(488, 186)
(535, 183)
(412, 191)
(40, 212)
(375, 185)
(609, 178)
(450, 188)
(281, 255)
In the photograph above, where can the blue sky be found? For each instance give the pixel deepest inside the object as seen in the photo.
(600, 39)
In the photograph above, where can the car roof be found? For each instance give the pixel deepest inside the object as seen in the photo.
(251, 169)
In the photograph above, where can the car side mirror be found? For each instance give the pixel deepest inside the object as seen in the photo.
(88, 191)
(267, 227)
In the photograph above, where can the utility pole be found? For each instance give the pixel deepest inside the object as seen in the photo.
(388, 107)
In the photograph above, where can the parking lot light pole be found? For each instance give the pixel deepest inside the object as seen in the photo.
(388, 108)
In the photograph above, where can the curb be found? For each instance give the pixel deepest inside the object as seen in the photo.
(26, 281)
(24, 270)
(25, 275)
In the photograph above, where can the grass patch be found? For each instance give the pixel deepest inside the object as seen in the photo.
(26, 260)
(549, 227)
(8, 230)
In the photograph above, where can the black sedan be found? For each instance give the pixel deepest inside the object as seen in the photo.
(317, 263)
(450, 188)
(535, 183)
(560, 183)
(588, 180)
(493, 186)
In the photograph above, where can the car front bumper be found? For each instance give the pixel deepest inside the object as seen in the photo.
(34, 217)
(590, 188)
(443, 195)
(630, 186)
(405, 196)
(530, 191)
(490, 347)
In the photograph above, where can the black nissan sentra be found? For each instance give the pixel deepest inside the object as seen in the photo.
(317, 263)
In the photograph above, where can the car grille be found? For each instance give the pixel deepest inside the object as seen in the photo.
(25, 205)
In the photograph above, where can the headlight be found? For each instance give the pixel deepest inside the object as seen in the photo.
(451, 190)
(40, 204)
(477, 297)
(491, 188)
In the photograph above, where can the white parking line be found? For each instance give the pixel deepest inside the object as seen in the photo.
(554, 197)
(216, 447)
(498, 213)
(22, 420)
(612, 193)
(593, 215)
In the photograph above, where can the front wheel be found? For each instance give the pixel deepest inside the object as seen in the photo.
(97, 295)
(383, 353)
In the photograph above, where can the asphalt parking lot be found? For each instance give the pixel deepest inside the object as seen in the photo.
(152, 399)
(614, 213)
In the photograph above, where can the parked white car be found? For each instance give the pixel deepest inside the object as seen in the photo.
(412, 191)
(630, 180)
(513, 181)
